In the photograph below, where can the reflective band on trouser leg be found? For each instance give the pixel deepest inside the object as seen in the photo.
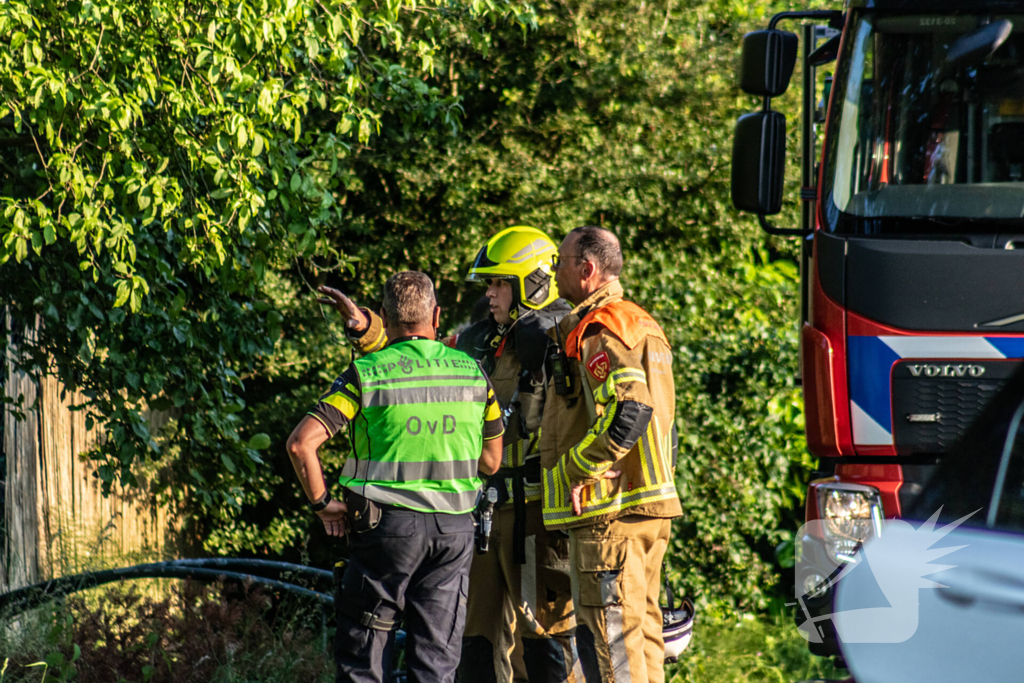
(577, 664)
(654, 643)
(528, 587)
(617, 643)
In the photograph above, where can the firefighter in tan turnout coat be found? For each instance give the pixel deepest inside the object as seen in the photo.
(607, 453)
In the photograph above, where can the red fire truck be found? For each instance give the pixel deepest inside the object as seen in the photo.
(912, 241)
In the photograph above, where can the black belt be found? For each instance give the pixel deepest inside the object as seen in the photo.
(519, 476)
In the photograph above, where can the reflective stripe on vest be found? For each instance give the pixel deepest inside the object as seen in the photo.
(419, 433)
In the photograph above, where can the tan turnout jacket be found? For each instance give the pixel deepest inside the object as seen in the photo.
(619, 355)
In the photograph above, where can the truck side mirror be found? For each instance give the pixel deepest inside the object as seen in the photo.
(767, 62)
(758, 162)
(975, 47)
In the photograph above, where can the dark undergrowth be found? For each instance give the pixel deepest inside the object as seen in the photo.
(192, 634)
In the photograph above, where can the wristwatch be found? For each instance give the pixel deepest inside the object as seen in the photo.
(322, 503)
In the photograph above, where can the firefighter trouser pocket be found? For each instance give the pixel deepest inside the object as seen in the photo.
(602, 588)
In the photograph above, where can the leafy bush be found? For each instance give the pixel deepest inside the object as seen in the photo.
(743, 468)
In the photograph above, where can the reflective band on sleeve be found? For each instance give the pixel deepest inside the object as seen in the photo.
(605, 392)
(378, 342)
(628, 375)
(576, 452)
(493, 410)
(345, 405)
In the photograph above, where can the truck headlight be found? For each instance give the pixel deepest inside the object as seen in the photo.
(851, 514)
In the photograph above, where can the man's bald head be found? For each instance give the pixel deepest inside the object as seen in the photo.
(601, 247)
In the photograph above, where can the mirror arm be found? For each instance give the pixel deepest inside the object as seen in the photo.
(772, 230)
(834, 16)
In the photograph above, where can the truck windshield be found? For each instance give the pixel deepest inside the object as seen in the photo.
(915, 136)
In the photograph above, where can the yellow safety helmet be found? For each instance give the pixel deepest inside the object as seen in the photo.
(519, 253)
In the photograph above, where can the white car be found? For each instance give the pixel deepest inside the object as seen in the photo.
(940, 596)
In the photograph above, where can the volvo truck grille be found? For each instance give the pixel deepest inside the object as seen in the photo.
(935, 402)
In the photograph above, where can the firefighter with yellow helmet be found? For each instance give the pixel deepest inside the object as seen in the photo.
(520, 619)
(527, 579)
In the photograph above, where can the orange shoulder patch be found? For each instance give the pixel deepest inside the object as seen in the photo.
(624, 319)
(599, 366)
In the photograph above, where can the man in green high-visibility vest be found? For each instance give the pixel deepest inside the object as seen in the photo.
(424, 422)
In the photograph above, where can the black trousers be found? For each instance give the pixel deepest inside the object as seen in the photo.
(414, 567)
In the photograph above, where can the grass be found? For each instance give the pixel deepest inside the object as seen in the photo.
(750, 650)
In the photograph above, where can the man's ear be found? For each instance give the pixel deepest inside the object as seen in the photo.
(588, 270)
(436, 323)
(383, 317)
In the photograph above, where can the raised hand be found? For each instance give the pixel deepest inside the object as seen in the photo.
(356, 320)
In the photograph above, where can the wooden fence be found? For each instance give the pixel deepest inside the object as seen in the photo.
(56, 520)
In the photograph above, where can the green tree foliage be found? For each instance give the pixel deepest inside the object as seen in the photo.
(160, 160)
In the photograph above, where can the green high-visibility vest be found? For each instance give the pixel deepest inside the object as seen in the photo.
(419, 432)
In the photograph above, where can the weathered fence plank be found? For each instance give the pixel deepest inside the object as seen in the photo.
(57, 519)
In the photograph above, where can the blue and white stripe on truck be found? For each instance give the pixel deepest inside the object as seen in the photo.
(870, 362)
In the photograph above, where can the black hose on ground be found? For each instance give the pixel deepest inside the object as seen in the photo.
(22, 599)
(265, 568)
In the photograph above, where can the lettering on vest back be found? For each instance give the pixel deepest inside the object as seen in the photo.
(414, 425)
(409, 426)
(407, 365)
